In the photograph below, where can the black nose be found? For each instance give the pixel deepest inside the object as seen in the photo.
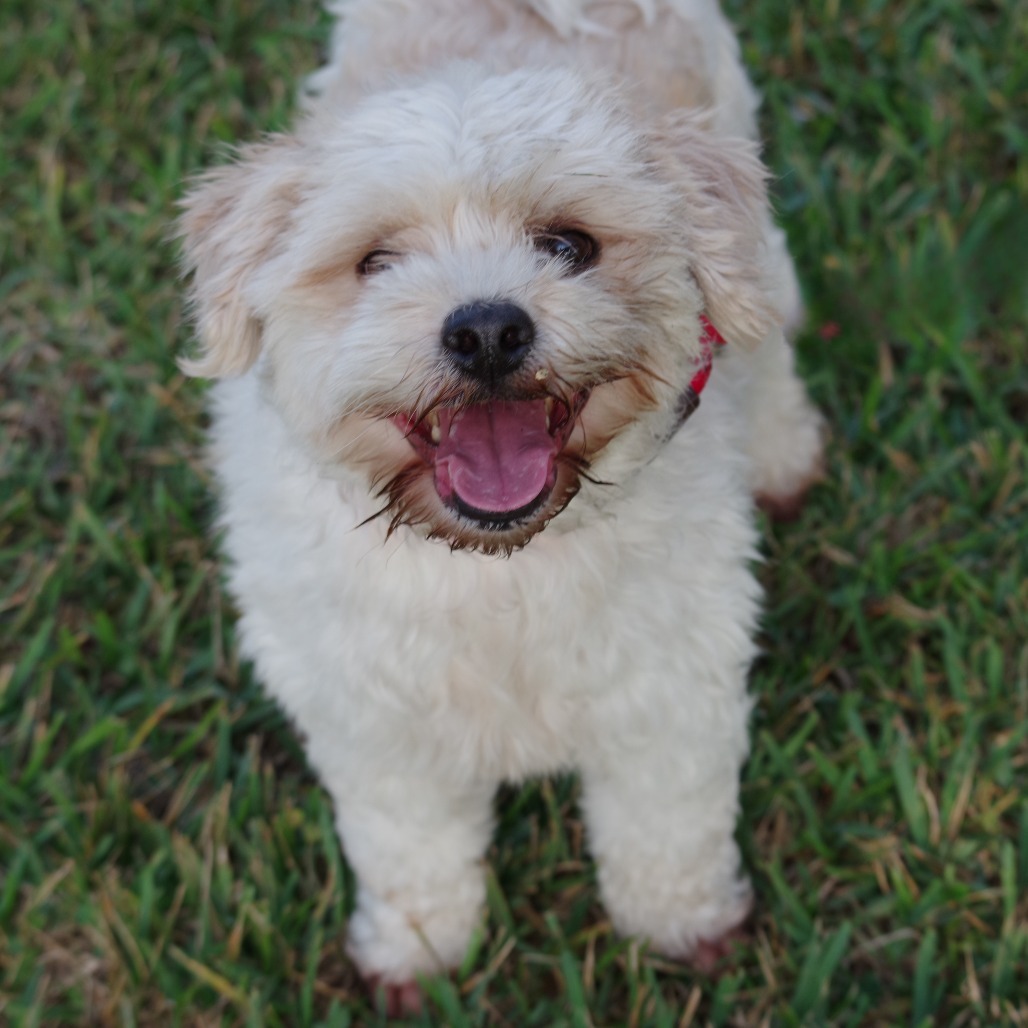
(488, 340)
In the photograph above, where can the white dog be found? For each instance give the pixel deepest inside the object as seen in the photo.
(462, 314)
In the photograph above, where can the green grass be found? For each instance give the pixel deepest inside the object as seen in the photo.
(165, 856)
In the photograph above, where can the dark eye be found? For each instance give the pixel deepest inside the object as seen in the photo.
(576, 249)
(377, 260)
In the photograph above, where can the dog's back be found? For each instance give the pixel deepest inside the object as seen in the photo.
(672, 54)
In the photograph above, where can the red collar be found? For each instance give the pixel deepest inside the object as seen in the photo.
(690, 398)
(711, 338)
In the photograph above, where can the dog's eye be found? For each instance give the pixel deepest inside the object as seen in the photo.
(576, 249)
(377, 260)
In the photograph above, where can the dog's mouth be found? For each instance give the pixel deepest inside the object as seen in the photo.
(496, 462)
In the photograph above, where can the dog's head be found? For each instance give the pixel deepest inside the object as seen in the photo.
(478, 289)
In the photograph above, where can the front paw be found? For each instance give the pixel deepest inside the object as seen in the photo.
(713, 957)
(395, 999)
(395, 942)
(693, 916)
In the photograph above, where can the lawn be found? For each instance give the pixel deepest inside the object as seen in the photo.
(166, 858)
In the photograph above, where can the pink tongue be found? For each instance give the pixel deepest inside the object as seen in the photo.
(497, 457)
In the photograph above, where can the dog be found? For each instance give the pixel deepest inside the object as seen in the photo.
(479, 525)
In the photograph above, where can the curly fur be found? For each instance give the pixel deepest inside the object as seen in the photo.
(617, 637)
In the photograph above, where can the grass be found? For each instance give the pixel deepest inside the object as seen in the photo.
(165, 856)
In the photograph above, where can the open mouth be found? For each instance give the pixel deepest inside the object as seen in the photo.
(494, 462)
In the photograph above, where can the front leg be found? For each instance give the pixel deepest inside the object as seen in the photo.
(661, 811)
(416, 845)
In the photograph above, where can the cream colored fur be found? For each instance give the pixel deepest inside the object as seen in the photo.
(617, 637)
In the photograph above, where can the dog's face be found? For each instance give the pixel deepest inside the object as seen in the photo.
(476, 289)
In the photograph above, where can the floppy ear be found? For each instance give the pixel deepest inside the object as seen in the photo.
(727, 222)
(233, 220)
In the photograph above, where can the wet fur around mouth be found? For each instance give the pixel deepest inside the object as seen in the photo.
(521, 440)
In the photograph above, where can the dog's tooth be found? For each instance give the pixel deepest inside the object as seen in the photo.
(432, 420)
(549, 410)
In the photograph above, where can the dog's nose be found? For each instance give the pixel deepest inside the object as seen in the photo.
(488, 340)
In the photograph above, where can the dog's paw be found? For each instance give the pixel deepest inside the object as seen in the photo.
(395, 999)
(787, 462)
(716, 956)
(786, 434)
(786, 506)
(394, 944)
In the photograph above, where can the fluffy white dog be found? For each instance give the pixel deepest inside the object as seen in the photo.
(462, 315)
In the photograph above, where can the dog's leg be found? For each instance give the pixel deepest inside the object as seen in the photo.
(416, 847)
(785, 429)
(785, 281)
(785, 432)
(661, 823)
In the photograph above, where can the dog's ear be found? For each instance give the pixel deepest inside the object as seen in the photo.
(233, 220)
(726, 218)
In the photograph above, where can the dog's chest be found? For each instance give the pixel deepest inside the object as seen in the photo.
(500, 655)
